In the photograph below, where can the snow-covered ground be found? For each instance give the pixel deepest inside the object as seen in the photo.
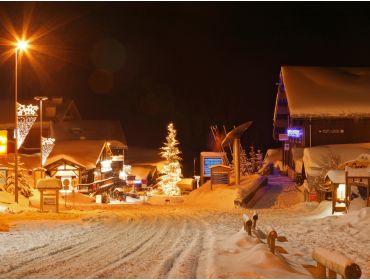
(195, 239)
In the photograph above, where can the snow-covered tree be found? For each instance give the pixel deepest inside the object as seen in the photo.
(172, 169)
(243, 162)
(259, 159)
(252, 162)
(24, 185)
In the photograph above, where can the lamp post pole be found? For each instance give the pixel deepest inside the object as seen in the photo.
(41, 98)
(16, 128)
(20, 46)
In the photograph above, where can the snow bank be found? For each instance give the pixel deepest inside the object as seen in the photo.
(243, 256)
(314, 157)
(273, 155)
(223, 196)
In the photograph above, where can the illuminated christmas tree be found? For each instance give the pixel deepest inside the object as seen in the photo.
(172, 169)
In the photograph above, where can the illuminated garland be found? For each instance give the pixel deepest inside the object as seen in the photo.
(47, 146)
(27, 116)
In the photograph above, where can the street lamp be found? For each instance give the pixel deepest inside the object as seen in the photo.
(41, 98)
(20, 46)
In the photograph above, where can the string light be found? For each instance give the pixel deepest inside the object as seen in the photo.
(27, 116)
(47, 146)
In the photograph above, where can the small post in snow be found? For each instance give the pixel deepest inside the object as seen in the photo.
(255, 218)
(271, 237)
(247, 222)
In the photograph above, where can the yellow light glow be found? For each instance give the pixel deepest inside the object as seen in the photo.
(22, 45)
(341, 192)
(3, 142)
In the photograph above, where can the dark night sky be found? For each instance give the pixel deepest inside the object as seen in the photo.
(196, 63)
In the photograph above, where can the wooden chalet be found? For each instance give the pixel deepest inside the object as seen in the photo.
(319, 106)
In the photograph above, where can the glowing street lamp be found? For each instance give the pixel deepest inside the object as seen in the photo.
(22, 45)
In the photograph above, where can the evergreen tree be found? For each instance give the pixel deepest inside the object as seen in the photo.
(24, 184)
(252, 163)
(244, 168)
(259, 159)
(172, 169)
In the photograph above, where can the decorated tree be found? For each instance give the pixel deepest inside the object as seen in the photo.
(172, 169)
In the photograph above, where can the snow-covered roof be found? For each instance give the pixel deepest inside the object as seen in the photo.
(315, 157)
(84, 153)
(327, 91)
(336, 176)
(49, 183)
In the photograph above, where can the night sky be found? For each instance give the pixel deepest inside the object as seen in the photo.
(196, 63)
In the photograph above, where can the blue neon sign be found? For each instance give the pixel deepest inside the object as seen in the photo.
(295, 133)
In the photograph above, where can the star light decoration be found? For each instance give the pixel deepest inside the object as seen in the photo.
(27, 116)
(47, 146)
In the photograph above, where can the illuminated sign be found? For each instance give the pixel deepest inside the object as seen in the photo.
(295, 133)
(3, 142)
(208, 162)
(106, 165)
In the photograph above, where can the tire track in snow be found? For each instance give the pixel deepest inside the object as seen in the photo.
(120, 266)
(58, 254)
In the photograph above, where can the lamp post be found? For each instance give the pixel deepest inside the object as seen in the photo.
(41, 99)
(20, 46)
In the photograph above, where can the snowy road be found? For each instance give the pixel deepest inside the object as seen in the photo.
(154, 243)
(184, 240)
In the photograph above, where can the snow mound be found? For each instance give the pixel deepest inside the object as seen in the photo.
(359, 219)
(224, 196)
(243, 256)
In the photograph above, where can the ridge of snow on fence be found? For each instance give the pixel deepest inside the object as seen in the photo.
(336, 263)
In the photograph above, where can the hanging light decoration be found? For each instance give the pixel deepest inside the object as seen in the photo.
(26, 118)
(126, 170)
(47, 146)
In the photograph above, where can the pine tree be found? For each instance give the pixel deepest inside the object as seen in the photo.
(259, 159)
(172, 169)
(244, 168)
(252, 163)
(24, 184)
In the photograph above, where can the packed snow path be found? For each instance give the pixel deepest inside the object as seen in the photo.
(280, 192)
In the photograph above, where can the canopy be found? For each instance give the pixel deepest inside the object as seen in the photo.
(236, 133)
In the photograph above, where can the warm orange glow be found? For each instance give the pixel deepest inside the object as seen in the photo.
(3, 142)
(39, 40)
(22, 45)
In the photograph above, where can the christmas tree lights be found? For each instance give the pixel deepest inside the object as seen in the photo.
(172, 169)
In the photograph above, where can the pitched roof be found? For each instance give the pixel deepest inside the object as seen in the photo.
(81, 152)
(89, 130)
(327, 91)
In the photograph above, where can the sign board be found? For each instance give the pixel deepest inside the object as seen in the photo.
(295, 133)
(208, 162)
(283, 137)
(286, 147)
(3, 142)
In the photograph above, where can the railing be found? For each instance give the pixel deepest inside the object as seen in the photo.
(96, 186)
(336, 264)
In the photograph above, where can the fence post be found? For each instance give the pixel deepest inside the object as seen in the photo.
(247, 224)
(255, 218)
